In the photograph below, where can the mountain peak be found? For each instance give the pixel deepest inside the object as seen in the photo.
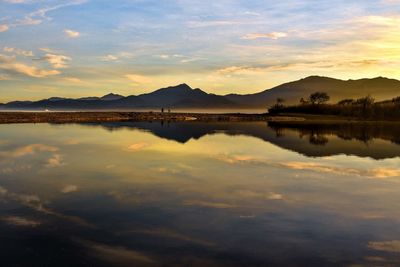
(111, 96)
(317, 78)
(182, 86)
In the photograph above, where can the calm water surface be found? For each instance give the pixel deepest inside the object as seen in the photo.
(199, 194)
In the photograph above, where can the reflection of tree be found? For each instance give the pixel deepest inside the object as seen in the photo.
(279, 132)
(318, 139)
(364, 132)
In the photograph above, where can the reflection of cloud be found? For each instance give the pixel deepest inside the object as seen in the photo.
(372, 173)
(55, 161)
(377, 173)
(69, 189)
(259, 195)
(209, 204)
(234, 159)
(116, 254)
(387, 246)
(30, 150)
(385, 172)
(167, 233)
(138, 146)
(21, 221)
(35, 203)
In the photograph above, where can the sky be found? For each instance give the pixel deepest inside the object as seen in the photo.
(76, 48)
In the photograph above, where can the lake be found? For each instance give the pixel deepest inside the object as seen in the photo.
(200, 194)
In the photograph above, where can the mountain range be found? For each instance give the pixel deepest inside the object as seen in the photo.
(184, 97)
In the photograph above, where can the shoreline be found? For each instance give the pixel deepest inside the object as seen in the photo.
(123, 116)
(74, 117)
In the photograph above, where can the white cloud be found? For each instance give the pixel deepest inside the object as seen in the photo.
(271, 35)
(9, 64)
(57, 61)
(4, 27)
(17, 51)
(17, 1)
(109, 58)
(213, 23)
(73, 80)
(138, 79)
(71, 33)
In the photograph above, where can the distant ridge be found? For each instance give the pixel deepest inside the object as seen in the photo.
(183, 96)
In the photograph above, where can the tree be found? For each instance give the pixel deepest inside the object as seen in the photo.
(318, 98)
(303, 101)
(280, 101)
(366, 104)
(396, 100)
(365, 101)
(346, 102)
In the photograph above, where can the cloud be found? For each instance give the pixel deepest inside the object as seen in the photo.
(9, 64)
(37, 17)
(69, 189)
(71, 33)
(242, 70)
(213, 23)
(18, 51)
(109, 58)
(57, 61)
(17, 1)
(73, 80)
(138, 79)
(271, 35)
(4, 27)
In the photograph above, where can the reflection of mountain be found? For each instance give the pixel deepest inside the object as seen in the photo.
(378, 141)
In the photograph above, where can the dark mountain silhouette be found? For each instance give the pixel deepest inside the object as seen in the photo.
(183, 96)
(111, 97)
(380, 88)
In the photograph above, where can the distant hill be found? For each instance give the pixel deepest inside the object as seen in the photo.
(379, 88)
(183, 96)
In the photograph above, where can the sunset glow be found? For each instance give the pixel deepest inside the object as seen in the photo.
(77, 48)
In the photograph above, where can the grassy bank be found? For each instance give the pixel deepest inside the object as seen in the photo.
(69, 117)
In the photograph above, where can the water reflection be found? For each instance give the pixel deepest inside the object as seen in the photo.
(196, 194)
(375, 140)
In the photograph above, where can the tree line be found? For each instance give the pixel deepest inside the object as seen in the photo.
(362, 108)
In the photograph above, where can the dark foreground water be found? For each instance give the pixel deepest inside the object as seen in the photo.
(199, 194)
